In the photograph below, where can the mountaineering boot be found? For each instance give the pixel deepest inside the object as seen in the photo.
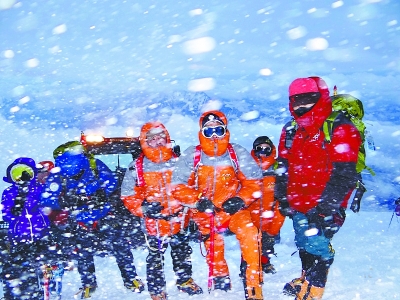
(222, 283)
(253, 293)
(160, 296)
(293, 287)
(310, 292)
(190, 287)
(136, 285)
(268, 268)
(87, 291)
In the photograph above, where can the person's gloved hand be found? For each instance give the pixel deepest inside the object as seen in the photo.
(152, 209)
(327, 221)
(397, 208)
(19, 203)
(233, 205)
(284, 208)
(205, 205)
(98, 199)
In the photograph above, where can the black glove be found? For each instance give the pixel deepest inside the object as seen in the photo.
(152, 209)
(327, 223)
(233, 205)
(284, 208)
(98, 199)
(205, 205)
(18, 206)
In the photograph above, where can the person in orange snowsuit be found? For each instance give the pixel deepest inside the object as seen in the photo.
(218, 180)
(145, 191)
(265, 213)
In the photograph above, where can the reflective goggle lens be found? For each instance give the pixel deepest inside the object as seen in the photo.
(218, 131)
(154, 137)
(266, 150)
(17, 172)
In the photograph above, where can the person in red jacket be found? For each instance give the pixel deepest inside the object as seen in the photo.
(265, 213)
(314, 180)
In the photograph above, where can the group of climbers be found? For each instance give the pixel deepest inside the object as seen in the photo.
(218, 185)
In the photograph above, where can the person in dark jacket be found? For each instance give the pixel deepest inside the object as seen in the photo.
(28, 233)
(77, 195)
(314, 180)
(265, 212)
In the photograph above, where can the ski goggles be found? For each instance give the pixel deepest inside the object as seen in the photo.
(155, 137)
(265, 150)
(21, 172)
(304, 99)
(73, 148)
(218, 131)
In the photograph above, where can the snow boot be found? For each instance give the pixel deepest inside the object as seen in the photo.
(253, 293)
(190, 287)
(136, 285)
(310, 292)
(87, 291)
(160, 296)
(268, 268)
(293, 287)
(222, 283)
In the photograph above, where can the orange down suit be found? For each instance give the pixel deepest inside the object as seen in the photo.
(216, 179)
(153, 184)
(265, 213)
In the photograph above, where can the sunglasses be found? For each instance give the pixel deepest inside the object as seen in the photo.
(157, 136)
(218, 131)
(266, 150)
(21, 172)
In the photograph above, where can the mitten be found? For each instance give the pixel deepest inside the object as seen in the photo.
(327, 222)
(284, 208)
(152, 209)
(205, 205)
(233, 205)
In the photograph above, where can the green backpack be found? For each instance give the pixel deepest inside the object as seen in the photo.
(354, 110)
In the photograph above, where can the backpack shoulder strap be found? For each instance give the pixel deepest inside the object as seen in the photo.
(327, 127)
(139, 170)
(232, 156)
(196, 157)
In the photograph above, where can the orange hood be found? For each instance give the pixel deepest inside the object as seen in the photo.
(214, 146)
(161, 153)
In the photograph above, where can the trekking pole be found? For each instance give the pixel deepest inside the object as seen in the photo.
(391, 220)
(211, 258)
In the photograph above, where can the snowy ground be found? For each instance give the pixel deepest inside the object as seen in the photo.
(366, 266)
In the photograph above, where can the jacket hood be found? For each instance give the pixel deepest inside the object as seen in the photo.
(313, 120)
(24, 161)
(214, 146)
(161, 153)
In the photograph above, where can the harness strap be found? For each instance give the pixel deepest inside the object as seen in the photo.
(139, 170)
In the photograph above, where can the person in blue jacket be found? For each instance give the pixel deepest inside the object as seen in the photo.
(28, 235)
(77, 196)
